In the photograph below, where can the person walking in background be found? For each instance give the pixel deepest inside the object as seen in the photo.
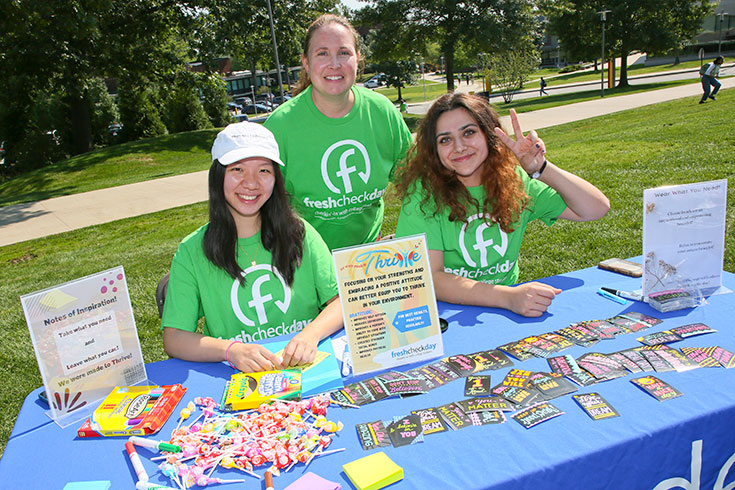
(709, 73)
(542, 85)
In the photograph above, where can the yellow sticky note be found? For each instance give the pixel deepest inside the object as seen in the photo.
(320, 356)
(373, 472)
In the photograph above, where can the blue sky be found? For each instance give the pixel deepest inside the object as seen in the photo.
(353, 4)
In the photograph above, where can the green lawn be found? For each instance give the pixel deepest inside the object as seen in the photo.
(115, 165)
(555, 100)
(586, 76)
(415, 93)
(623, 154)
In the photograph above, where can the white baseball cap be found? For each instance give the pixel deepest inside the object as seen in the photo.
(245, 140)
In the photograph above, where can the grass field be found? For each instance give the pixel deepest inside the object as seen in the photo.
(115, 165)
(587, 76)
(670, 143)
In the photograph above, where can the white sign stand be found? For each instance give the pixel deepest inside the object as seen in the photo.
(684, 238)
(86, 342)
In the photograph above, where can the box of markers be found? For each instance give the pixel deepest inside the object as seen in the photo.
(133, 411)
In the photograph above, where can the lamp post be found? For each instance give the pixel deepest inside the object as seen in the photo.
(603, 18)
(484, 72)
(275, 49)
(423, 77)
(721, 15)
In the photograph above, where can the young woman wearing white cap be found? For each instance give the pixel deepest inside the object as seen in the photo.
(255, 271)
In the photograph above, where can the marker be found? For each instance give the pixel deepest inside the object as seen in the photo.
(145, 485)
(268, 480)
(624, 294)
(151, 444)
(137, 465)
(611, 297)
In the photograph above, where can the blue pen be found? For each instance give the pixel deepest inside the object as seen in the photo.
(612, 297)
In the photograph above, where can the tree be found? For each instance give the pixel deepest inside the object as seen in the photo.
(242, 29)
(63, 47)
(509, 70)
(398, 74)
(653, 27)
(409, 26)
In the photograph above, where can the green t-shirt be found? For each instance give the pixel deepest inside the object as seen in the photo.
(337, 170)
(475, 249)
(265, 307)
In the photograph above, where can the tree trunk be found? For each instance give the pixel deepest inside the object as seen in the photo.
(449, 57)
(81, 128)
(624, 66)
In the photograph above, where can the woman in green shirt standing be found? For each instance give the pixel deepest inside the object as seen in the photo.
(340, 142)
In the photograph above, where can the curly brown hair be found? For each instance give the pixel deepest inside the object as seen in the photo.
(505, 196)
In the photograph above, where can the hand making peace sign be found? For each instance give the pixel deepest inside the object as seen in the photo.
(529, 149)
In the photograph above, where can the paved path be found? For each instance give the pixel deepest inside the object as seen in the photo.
(34, 220)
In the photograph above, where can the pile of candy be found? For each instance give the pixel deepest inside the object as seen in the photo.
(280, 434)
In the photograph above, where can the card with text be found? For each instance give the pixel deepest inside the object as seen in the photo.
(477, 385)
(658, 389)
(595, 406)
(536, 414)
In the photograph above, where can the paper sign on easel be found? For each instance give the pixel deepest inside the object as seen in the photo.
(85, 340)
(684, 237)
(388, 303)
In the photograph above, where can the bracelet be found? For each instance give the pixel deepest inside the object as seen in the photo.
(538, 172)
(227, 353)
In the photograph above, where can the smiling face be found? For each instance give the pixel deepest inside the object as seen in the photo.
(461, 145)
(248, 185)
(331, 61)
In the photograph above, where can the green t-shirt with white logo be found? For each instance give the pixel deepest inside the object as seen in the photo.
(337, 170)
(475, 249)
(264, 308)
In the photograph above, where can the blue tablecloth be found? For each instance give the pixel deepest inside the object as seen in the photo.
(685, 442)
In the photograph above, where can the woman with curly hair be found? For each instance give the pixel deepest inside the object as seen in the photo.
(473, 190)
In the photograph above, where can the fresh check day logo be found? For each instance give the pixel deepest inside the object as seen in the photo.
(265, 286)
(345, 170)
(478, 249)
(257, 283)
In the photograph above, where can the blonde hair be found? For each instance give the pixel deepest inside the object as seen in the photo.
(323, 20)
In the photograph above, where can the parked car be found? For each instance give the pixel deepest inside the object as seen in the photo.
(236, 108)
(277, 99)
(257, 109)
(243, 101)
(372, 83)
(241, 117)
(114, 129)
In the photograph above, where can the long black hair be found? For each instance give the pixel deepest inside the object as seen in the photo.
(281, 230)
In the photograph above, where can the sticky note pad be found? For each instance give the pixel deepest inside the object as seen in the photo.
(88, 485)
(373, 472)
